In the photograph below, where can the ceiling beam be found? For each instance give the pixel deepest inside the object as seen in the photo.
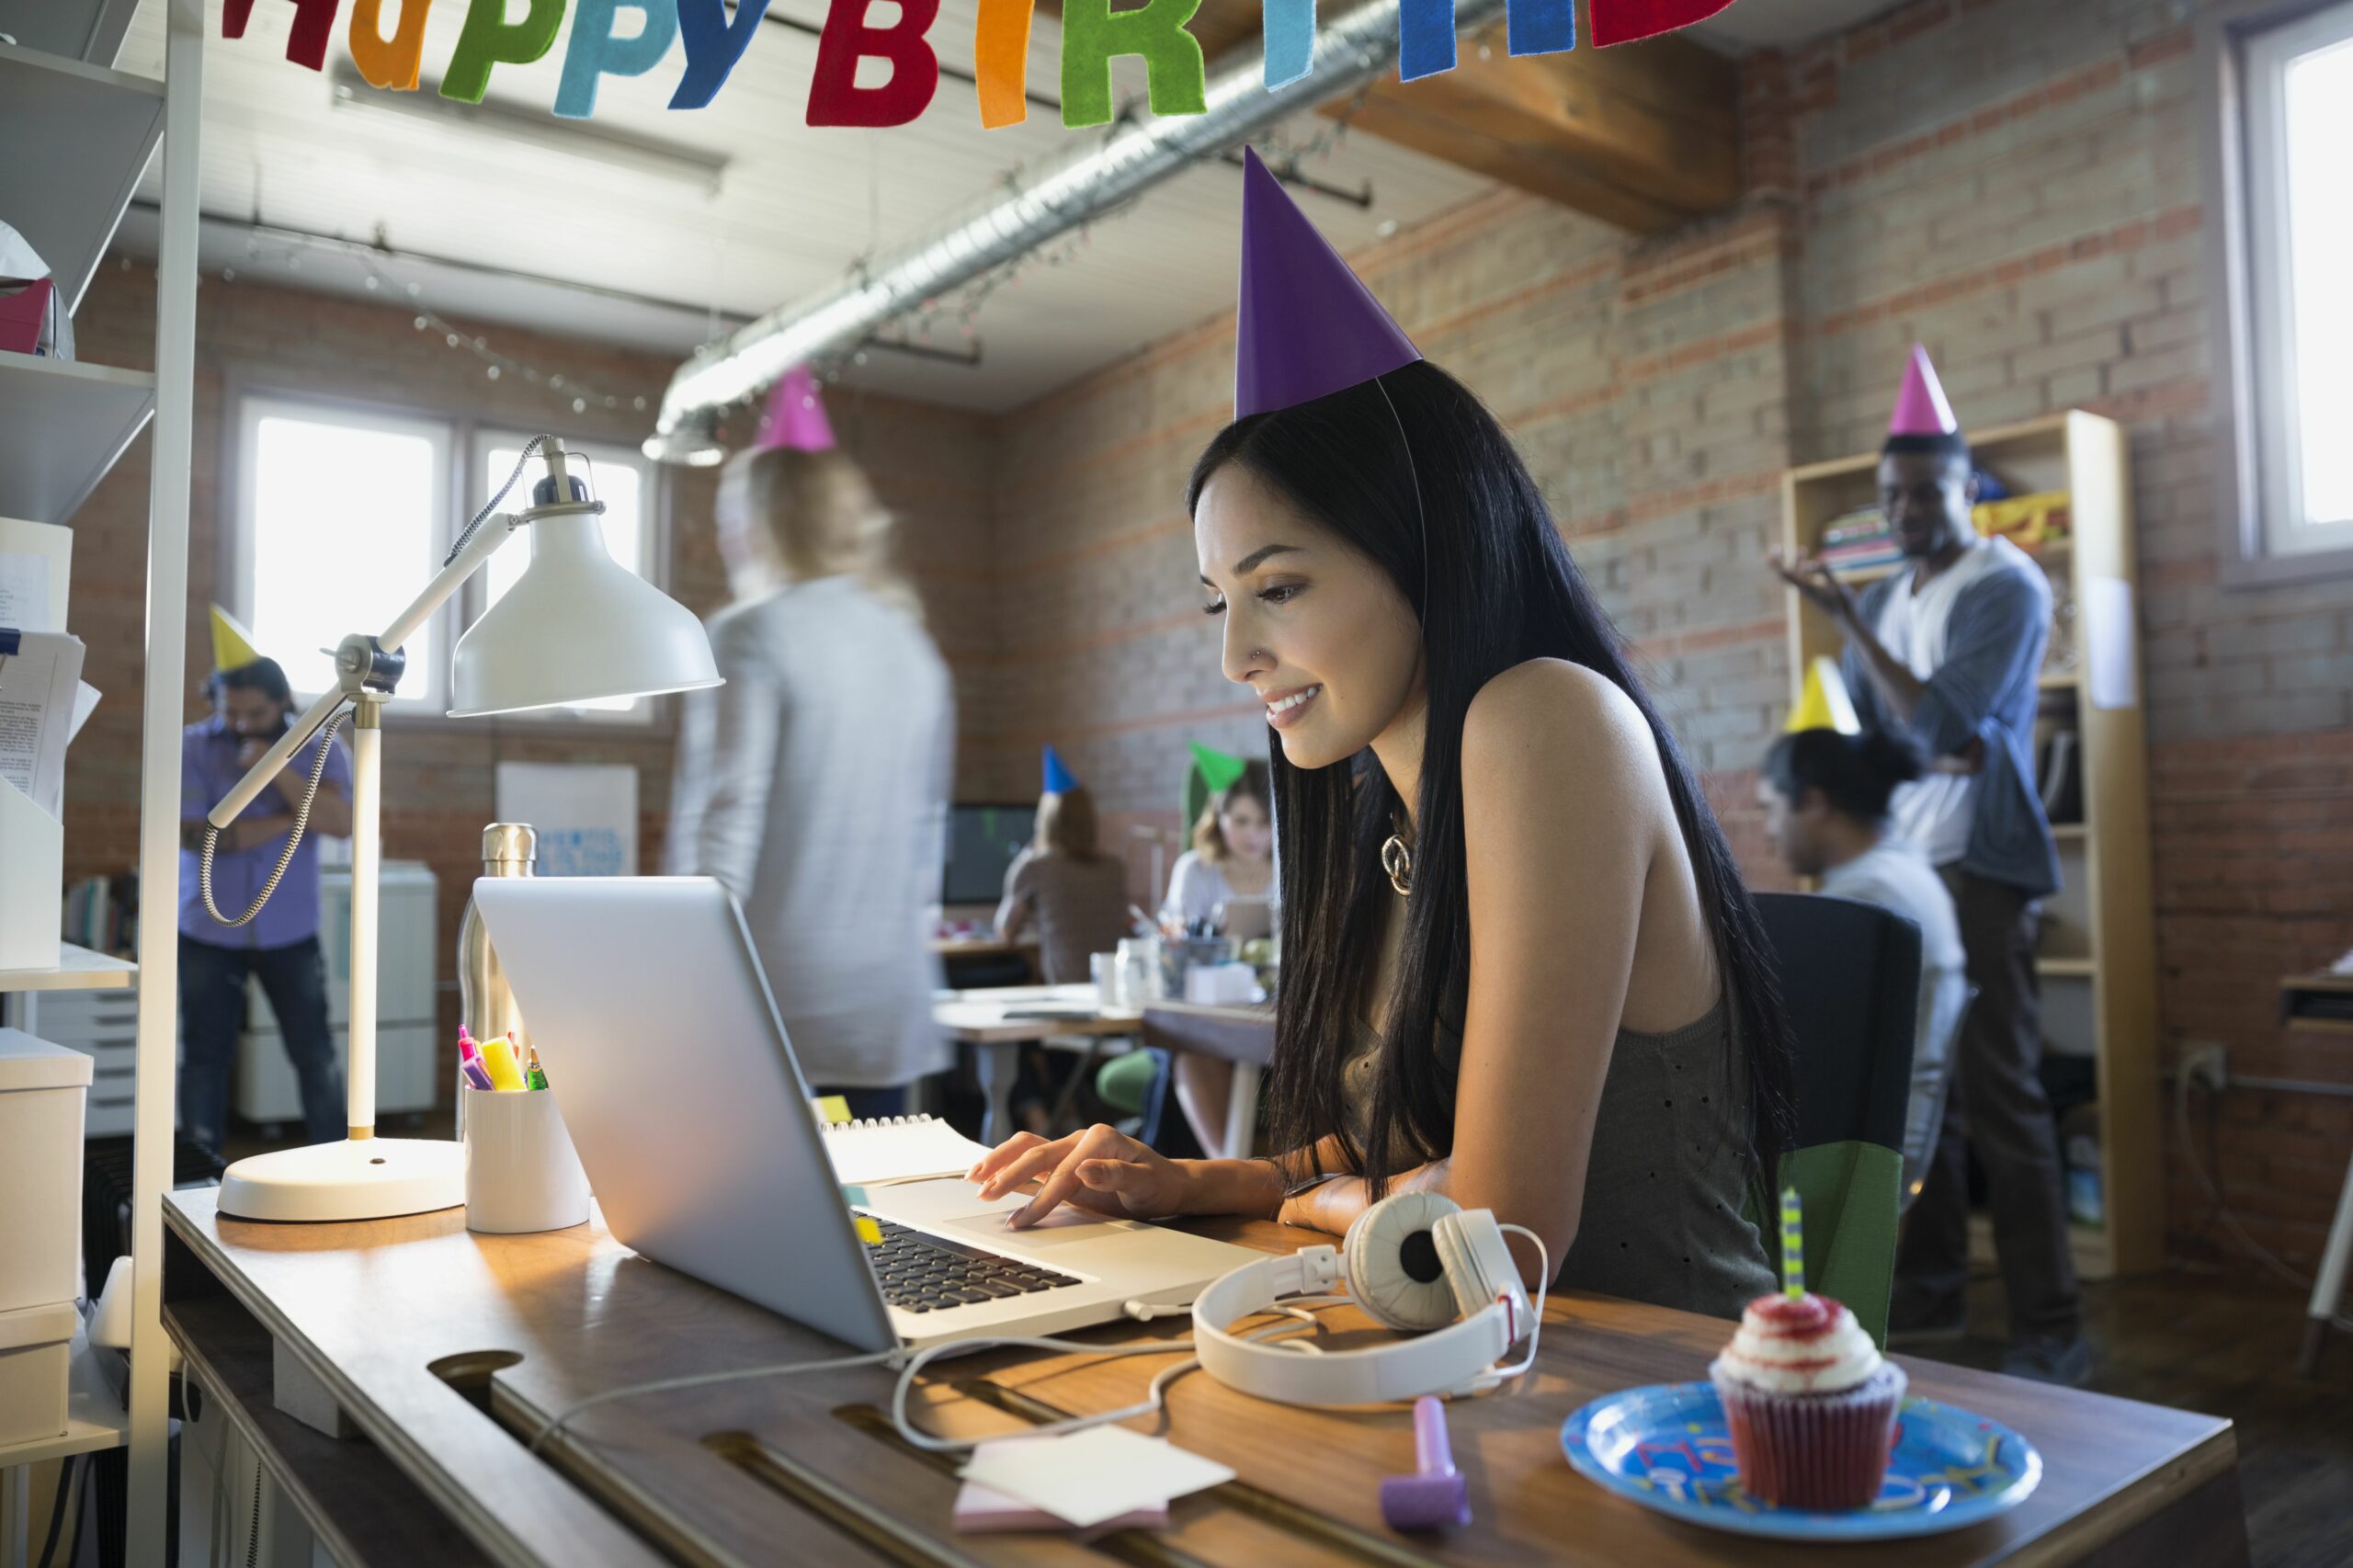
(1644, 136)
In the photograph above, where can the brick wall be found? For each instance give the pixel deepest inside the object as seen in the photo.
(440, 775)
(2017, 186)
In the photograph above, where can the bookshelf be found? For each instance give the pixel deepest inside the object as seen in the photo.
(2098, 958)
(85, 136)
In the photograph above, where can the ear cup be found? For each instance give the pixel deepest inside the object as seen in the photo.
(1395, 1270)
(1466, 1271)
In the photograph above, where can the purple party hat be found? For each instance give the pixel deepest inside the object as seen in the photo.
(1920, 406)
(1307, 326)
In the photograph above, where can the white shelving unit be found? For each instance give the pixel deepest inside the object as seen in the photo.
(83, 134)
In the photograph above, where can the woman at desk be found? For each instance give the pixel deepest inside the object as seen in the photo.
(1520, 965)
(1076, 894)
(1232, 857)
(252, 704)
(814, 783)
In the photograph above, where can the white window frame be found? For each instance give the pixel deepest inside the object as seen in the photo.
(652, 545)
(2245, 49)
(238, 558)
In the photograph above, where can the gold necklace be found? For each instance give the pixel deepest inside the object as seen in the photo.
(1397, 859)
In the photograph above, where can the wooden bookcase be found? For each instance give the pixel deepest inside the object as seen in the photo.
(2098, 957)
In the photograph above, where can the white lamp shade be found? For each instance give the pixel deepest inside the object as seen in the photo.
(576, 627)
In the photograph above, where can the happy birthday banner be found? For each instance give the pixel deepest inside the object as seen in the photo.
(1093, 35)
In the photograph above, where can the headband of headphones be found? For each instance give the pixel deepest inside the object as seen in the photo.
(1415, 1262)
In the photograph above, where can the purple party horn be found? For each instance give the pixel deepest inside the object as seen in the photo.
(1434, 1497)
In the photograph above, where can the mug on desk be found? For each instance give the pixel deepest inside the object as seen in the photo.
(522, 1172)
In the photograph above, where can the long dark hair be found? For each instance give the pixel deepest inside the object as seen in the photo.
(1496, 588)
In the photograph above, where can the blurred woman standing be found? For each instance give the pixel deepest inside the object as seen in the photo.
(814, 783)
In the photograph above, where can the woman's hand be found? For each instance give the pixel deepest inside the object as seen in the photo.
(1101, 1168)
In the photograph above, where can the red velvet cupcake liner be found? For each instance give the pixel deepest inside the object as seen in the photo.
(1816, 1451)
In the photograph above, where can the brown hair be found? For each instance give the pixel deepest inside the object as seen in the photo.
(819, 517)
(1209, 839)
(1067, 823)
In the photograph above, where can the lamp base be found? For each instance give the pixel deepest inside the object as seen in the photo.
(366, 1178)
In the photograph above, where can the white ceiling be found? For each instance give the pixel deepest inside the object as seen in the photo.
(796, 206)
(651, 260)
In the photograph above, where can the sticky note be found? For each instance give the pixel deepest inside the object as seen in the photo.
(489, 39)
(498, 1061)
(713, 46)
(1089, 1477)
(596, 50)
(834, 97)
(1174, 76)
(388, 63)
(979, 1509)
(868, 1230)
(833, 1108)
(854, 1196)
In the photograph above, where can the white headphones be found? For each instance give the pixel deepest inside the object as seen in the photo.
(1417, 1262)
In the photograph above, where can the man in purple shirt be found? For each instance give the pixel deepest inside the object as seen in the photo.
(252, 704)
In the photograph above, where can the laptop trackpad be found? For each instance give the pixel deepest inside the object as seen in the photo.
(1067, 1224)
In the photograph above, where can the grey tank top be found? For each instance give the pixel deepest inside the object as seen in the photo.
(1669, 1170)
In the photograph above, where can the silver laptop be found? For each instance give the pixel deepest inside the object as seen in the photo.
(663, 1047)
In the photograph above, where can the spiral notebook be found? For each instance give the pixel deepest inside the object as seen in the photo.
(898, 1148)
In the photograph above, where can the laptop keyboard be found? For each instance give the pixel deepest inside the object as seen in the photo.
(923, 1273)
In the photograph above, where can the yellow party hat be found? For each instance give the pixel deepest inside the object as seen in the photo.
(233, 645)
(1823, 705)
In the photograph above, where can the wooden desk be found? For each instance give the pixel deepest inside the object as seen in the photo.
(441, 1345)
(1244, 1036)
(990, 1020)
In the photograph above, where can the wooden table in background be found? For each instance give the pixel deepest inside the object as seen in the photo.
(449, 1350)
(1244, 1036)
(994, 1021)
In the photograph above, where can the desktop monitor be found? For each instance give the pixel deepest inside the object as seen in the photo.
(982, 843)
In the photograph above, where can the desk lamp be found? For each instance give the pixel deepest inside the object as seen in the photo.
(576, 627)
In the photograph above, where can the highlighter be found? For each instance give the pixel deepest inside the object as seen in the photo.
(498, 1060)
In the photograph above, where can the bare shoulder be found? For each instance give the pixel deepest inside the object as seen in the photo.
(1559, 718)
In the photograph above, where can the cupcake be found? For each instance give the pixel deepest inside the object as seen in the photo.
(1810, 1401)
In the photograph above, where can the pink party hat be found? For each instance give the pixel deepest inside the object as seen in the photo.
(795, 418)
(1307, 327)
(1920, 408)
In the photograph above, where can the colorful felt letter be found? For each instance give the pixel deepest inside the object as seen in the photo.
(1623, 21)
(1424, 37)
(713, 46)
(489, 39)
(307, 45)
(1176, 76)
(1001, 61)
(834, 97)
(1541, 27)
(1290, 29)
(594, 51)
(382, 61)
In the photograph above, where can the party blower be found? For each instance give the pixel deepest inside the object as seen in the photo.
(576, 627)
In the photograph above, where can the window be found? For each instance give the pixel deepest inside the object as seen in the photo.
(2296, 104)
(622, 481)
(344, 513)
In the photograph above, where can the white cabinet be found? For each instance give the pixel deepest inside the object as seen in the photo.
(103, 1026)
(264, 1087)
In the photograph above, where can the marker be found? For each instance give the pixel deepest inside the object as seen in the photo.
(476, 1075)
(498, 1061)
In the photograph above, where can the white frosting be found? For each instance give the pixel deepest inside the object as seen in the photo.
(1827, 1359)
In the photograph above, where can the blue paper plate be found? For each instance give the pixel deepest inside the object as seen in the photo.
(1665, 1448)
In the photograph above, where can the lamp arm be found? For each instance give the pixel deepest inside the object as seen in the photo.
(477, 548)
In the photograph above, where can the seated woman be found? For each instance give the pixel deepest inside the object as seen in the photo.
(1232, 857)
(1825, 798)
(1520, 965)
(1076, 894)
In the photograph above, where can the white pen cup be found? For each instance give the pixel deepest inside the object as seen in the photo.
(522, 1172)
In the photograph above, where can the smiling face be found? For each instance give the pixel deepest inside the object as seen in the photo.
(1313, 626)
(1926, 498)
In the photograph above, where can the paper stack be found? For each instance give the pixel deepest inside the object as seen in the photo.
(1103, 1478)
(43, 704)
